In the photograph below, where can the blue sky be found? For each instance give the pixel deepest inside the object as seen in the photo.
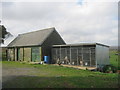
(88, 21)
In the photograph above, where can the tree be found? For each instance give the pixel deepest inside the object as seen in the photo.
(3, 34)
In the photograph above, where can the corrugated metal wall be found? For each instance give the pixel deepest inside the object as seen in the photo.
(102, 55)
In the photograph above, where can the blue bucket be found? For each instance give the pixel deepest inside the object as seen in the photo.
(46, 59)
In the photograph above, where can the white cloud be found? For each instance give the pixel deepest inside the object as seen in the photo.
(86, 22)
(59, 0)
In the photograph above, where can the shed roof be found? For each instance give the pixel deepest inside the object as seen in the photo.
(80, 44)
(32, 38)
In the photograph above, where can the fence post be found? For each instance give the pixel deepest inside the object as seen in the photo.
(90, 56)
(70, 54)
(82, 54)
(60, 53)
(77, 56)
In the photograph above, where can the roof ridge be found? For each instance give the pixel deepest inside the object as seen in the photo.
(37, 30)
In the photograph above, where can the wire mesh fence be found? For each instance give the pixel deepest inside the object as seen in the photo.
(83, 56)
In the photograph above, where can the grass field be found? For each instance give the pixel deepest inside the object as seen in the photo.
(20, 75)
(114, 59)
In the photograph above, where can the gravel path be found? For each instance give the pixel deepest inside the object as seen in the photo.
(8, 73)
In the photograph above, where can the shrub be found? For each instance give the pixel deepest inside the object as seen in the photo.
(109, 68)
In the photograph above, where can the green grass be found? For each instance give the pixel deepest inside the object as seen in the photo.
(114, 59)
(50, 76)
(14, 64)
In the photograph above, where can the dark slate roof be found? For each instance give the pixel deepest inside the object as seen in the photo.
(32, 38)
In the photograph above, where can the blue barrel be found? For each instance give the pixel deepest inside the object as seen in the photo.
(46, 59)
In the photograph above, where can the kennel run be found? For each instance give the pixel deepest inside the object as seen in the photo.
(84, 54)
(47, 45)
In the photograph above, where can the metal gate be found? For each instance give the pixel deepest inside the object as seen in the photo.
(35, 54)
